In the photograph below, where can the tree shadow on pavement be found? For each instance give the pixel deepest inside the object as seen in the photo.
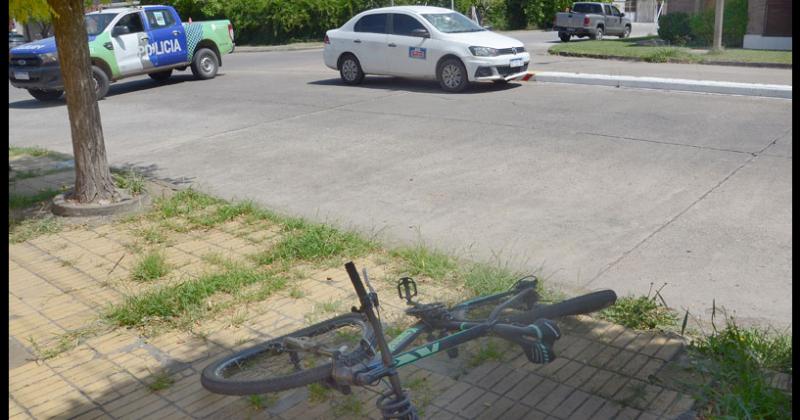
(414, 85)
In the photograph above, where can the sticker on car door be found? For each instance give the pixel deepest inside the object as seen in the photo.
(417, 52)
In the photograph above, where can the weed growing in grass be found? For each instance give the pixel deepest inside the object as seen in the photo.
(151, 267)
(483, 279)
(348, 407)
(307, 242)
(258, 402)
(69, 340)
(489, 351)
(161, 381)
(183, 203)
(130, 181)
(296, 292)
(665, 54)
(187, 299)
(32, 228)
(318, 393)
(739, 388)
(24, 201)
(152, 235)
(641, 313)
(419, 260)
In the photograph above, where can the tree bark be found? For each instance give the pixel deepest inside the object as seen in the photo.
(93, 183)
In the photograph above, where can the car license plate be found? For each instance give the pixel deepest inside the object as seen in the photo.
(21, 75)
(516, 62)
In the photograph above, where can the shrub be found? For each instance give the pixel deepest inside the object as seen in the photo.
(734, 25)
(540, 13)
(674, 28)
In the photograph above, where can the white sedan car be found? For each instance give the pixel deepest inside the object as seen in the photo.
(423, 42)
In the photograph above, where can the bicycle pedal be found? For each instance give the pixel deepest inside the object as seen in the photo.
(406, 289)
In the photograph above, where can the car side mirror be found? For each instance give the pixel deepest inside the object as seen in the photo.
(420, 32)
(622, 15)
(120, 30)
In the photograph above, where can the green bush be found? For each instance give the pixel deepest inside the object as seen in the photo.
(541, 13)
(734, 25)
(674, 28)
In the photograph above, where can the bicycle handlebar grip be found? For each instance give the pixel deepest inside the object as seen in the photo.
(357, 284)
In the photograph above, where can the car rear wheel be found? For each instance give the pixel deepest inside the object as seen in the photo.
(598, 35)
(45, 95)
(101, 82)
(564, 37)
(452, 75)
(205, 64)
(161, 76)
(627, 32)
(350, 70)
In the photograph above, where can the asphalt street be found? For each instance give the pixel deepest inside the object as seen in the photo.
(592, 187)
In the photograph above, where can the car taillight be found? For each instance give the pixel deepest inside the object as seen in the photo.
(586, 21)
(326, 39)
(230, 30)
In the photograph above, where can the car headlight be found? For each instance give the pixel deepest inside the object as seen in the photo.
(49, 58)
(483, 51)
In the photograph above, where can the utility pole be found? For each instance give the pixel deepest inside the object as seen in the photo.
(718, 14)
(452, 5)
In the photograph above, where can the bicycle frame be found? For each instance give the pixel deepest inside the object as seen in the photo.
(466, 331)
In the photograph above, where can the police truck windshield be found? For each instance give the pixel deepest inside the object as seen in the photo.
(96, 23)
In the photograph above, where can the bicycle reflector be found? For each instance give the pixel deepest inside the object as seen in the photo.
(407, 289)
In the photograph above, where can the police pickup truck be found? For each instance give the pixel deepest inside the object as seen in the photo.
(126, 42)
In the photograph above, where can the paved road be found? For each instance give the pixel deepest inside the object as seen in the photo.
(594, 186)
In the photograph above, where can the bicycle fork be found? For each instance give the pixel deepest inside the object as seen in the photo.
(396, 403)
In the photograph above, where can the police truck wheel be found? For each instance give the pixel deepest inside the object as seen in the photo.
(161, 76)
(45, 95)
(452, 75)
(204, 64)
(350, 70)
(101, 82)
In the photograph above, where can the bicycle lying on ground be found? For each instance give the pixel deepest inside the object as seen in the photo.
(351, 349)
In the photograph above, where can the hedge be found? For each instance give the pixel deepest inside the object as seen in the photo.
(698, 29)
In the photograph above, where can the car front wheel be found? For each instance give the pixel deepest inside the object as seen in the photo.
(598, 35)
(45, 95)
(452, 75)
(350, 70)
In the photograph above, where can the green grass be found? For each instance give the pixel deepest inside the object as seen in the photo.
(14, 151)
(485, 279)
(296, 293)
(348, 407)
(32, 228)
(318, 393)
(419, 260)
(627, 48)
(259, 402)
(739, 387)
(188, 299)
(24, 201)
(488, 351)
(150, 267)
(152, 235)
(160, 381)
(307, 242)
(640, 313)
(130, 181)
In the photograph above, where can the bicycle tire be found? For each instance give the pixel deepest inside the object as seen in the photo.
(213, 376)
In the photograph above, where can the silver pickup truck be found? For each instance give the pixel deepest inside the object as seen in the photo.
(593, 20)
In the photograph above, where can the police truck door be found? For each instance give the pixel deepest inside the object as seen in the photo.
(130, 43)
(167, 38)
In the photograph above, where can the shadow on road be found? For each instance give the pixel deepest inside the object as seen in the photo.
(413, 85)
(114, 90)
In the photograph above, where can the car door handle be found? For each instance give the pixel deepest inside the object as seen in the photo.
(392, 44)
(176, 33)
(357, 41)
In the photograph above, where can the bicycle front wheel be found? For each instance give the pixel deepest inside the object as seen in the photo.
(282, 363)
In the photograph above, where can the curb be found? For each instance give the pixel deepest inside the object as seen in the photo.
(704, 86)
(707, 63)
(273, 48)
(62, 207)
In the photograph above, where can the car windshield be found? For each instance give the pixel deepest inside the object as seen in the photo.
(452, 23)
(96, 23)
(587, 8)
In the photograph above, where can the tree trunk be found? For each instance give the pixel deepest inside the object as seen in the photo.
(93, 183)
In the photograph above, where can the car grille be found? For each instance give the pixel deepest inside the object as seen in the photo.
(509, 51)
(507, 70)
(25, 61)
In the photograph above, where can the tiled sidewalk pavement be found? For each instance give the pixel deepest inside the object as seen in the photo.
(61, 282)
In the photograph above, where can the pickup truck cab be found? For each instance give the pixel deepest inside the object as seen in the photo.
(593, 20)
(125, 42)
